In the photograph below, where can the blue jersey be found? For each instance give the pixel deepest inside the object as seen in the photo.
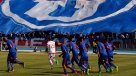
(65, 51)
(12, 49)
(73, 48)
(83, 50)
(101, 49)
(109, 49)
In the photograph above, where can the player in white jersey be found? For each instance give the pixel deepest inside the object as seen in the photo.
(51, 51)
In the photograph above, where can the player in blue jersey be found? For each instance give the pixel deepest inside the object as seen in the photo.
(75, 52)
(110, 49)
(74, 49)
(83, 54)
(102, 57)
(12, 55)
(66, 59)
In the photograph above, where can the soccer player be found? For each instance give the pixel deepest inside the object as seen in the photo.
(66, 58)
(12, 55)
(74, 49)
(51, 52)
(83, 54)
(110, 49)
(102, 57)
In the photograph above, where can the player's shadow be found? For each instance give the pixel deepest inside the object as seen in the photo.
(97, 72)
(36, 68)
(50, 73)
(3, 71)
(94, 71)
(53, 72)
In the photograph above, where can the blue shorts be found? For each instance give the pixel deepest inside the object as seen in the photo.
(74, 58)
(85, 58)
(102, 59)
(103, 56)
(11, 59)
(66, 61)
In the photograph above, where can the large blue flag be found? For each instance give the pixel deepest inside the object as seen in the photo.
(73, 16)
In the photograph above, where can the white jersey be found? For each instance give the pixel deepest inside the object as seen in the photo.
(51, 46)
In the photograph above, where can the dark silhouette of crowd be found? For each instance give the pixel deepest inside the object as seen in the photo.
(128, 40)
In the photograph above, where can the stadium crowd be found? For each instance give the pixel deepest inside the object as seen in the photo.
(121, 41)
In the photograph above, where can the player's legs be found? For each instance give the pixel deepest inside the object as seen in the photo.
(12, 66)
(53, 59)
(107, 65)
(64, 67)
(110, 59)
(72, 62)
(99, 67)
(71, 68)
(67, 64)
(80, 64)
(86, 62)
(8, 66)
(100, 62)
(19, 62)
(50, 60)
(84, 65)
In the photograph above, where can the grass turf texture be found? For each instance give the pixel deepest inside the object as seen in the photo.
(37, 64)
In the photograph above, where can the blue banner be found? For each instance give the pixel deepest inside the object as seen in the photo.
(73, 16)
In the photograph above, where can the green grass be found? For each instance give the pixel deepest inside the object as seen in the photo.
(36, 64)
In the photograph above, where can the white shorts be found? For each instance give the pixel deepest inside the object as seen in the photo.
(51, 56)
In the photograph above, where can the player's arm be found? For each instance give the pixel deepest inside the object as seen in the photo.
(70, 47)
(99, 49)
(62, 53)
(47, 48)
(87, 46)
(8, 46)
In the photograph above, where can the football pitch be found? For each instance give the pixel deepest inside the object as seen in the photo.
(37, 64)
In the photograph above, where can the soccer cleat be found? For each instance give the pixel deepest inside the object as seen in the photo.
(117, 68)
(57, 62)
(12, 70)
(109, 70)
(23, 65)
(88, 72)
(99, 74)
